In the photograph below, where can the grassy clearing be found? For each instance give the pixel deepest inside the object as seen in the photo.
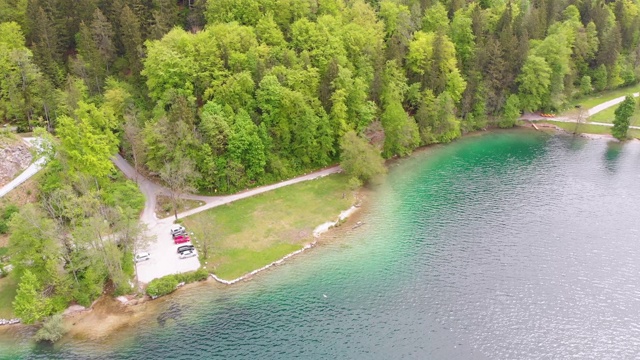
(164, 207)
(607, 116)
(590, 101)
(8, 138)
(591, 129)
(8, 288)
(251, 233)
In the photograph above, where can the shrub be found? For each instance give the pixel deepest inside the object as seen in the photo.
(167, 284)
(198, 275)
(52, 330)
(162, 286)
(5, 216)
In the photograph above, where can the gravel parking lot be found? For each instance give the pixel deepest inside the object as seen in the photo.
(164, 258)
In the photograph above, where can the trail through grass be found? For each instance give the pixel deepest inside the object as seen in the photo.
(591, 129)
(251, 233)
(590, 101)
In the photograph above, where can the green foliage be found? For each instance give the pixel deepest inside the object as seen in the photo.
(511, 112)
(401, 131)
(600, 78)
(585, 85)
(5, 216)
(168, 284)
(52, 330)
(88, 141)
(359, 159)
(535, 81)
(30, 305)
(162, 286)
(265, 91)
(435, 18)
(623, 115)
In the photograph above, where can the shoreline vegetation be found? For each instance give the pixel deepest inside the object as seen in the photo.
(107, 314)
(217, 96)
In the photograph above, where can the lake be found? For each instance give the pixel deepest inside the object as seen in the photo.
(507, 245)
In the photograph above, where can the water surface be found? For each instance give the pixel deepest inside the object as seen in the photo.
(509, 245)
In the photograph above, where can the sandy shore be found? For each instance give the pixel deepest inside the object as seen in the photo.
(108, 316)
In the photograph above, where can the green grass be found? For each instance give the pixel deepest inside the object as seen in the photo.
(8, 138)
(8, 288)
(590, 101)
(251, 233)
(607, 116)
(591, 129)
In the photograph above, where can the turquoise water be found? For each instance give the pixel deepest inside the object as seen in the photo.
(506, 245)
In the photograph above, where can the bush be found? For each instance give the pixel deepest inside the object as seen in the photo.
(198, 275)
(167, 284)
(52, 330)
(162, 286)
(5, 216)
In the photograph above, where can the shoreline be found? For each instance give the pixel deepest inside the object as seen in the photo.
(108, 315)
(319, 230)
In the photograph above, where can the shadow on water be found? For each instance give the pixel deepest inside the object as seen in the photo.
(612, 156)
(576, 144)
(173, 312)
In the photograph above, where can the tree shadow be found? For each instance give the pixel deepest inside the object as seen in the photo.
(612, 156)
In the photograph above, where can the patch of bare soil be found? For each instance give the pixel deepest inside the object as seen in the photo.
(164, 207)
(107, 316)
(24, 194)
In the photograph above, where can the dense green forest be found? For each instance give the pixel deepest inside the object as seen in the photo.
(245, 92)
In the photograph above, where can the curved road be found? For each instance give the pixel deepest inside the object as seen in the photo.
(164, 259)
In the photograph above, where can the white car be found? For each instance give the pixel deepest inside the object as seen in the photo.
(176, 229)
(142, 257)
(187, 254)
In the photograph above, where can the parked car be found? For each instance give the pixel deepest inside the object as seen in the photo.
(184, 248)
(176, 228)
(187, 254)
(142, 257)
(179, 233)
(180, 239)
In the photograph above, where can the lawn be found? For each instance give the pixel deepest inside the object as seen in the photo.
(590, 101)
(251, 233)
(8, 289)
(591, 129)
(607, 116)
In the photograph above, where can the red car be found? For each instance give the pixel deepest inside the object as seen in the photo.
(181, 239)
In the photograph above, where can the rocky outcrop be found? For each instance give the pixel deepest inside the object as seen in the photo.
(14, 158)
(9, 321)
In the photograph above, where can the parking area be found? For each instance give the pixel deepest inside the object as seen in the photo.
(164, 258)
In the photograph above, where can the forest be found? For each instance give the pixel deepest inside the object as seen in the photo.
(240, 93)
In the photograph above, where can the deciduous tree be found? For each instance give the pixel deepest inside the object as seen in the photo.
(622, 119)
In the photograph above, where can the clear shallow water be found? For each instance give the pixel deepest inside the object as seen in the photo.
(509, 245)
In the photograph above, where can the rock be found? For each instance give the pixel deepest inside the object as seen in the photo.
(122, 299)
(74, 309)
(15, 158)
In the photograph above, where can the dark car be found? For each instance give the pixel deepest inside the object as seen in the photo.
(184, 248)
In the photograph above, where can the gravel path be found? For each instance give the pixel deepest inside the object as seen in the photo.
(594, 110)
(164, 258)
(27, 173)
(607, 104)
